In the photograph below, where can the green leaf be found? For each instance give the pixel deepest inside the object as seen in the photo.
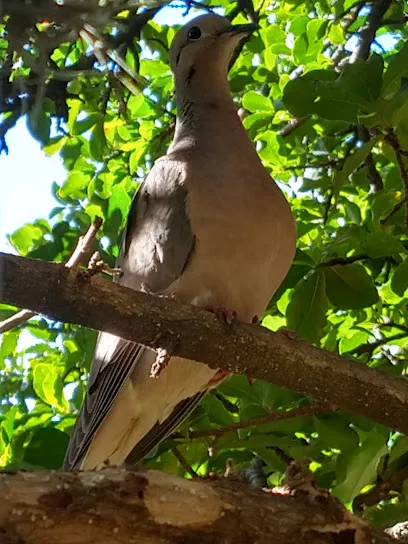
(39, 123)
(26, 238)
(8, 345)
(47, 382)
(350, 286)
(306, 312)
(47, 448)
(381, 244)
(75, 185)
(397, 68)
(97, 141)
(362, 467)
(399, 281)
(352, 163)
(253, 101)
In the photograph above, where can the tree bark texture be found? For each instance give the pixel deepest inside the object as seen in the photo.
(120, 507)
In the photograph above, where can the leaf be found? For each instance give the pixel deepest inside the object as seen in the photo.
(381, 244)
(253, 101)
(362, 467)
(399, 281)
(306, 312)
(397, 68)
(350, 286)
(352, 163)
(25, 238)
(75, 185)
(39, 123)
(8, 345)
(97, 141)
(47, 383)
(47, 448)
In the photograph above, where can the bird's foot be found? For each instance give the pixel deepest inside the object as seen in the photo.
(222, 313)
(160, 363)
(145, 288)
(255, 319)
(96, 265)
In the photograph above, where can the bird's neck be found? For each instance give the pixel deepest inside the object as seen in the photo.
(205, 108)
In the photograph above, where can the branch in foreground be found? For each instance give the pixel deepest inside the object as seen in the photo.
(118, 507)
(82, 248)
(196, 334)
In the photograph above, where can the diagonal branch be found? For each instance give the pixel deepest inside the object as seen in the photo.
(242, 348)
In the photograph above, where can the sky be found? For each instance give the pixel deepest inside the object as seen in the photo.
(26, 174)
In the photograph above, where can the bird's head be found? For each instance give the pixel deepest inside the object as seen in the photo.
(207, 43)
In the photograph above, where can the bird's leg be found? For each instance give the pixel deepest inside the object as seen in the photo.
(222, 312)
(96, 265)
(160, 363)
(145, 288)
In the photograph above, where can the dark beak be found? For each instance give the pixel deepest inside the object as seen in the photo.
(234, 30)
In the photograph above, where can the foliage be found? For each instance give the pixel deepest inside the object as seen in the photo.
(333, 133)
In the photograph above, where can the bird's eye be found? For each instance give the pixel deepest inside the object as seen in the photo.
(194, 33)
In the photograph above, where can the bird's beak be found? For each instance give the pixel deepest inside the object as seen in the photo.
(235, 30)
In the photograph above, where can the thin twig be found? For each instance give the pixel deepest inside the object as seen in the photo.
(270, 418)
(371, 346)
(342, 260)
(184, 463)
(82, 248)
(15, 320)
(291, 126)
(392, 139)
(395, 209)
(84, 244)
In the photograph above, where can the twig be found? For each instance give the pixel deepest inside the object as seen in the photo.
(270, 418)
(368, 31)
(392, 139)
(327, 207)
(83, 246)
(370, 347)
(15, 320)
(395, 209)
(373, 175)
(291, 126)
(184, 463)
(342, 260)
(381, 491)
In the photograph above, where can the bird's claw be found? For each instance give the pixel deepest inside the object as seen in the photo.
(96, 265)
(224, 314)
(160, 363)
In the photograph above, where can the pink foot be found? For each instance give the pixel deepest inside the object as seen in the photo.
(222, 313)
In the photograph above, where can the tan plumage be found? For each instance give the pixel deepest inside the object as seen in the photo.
(208, 224)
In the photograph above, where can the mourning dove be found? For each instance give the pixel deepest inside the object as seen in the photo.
(209, 225)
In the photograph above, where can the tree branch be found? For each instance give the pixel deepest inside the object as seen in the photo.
(243, 348)
(368, 31)
(121, 507)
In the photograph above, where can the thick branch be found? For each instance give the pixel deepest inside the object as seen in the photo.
(118, 507)
(61, 294)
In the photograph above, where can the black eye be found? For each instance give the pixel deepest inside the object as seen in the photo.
(194, 33)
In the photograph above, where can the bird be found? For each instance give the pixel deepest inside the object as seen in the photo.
(209, 226)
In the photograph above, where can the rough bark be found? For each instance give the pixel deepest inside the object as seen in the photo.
(58, 293)
(120, 507)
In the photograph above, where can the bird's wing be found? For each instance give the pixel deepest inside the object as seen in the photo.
(155, 249)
